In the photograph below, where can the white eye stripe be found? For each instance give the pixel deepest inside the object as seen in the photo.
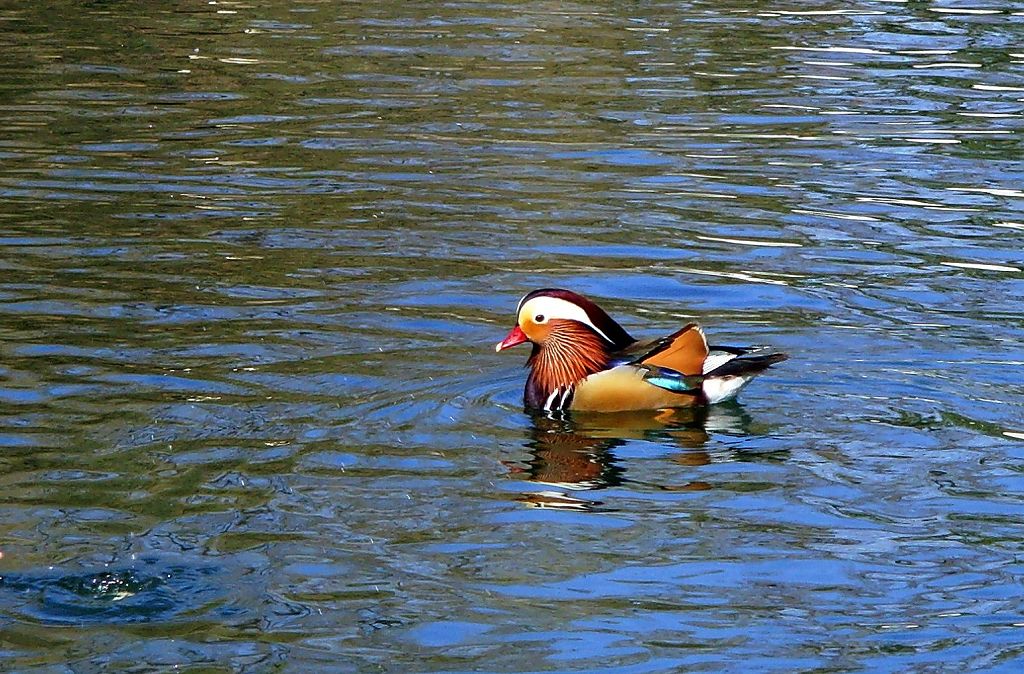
(554, 307)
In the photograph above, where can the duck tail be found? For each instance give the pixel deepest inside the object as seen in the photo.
(748, 362)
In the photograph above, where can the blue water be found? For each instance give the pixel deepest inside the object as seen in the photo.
(254, 260)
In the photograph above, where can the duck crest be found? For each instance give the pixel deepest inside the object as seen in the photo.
(571, 353)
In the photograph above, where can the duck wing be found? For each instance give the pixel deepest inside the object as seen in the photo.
(684, 351)
(679, 370)
(684, 363)
(663, 373)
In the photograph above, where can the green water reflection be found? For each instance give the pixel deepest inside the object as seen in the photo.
(254, 257)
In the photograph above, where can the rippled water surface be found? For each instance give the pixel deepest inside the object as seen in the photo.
(254, 258)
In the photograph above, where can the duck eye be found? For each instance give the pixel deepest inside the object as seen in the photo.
(539, 318)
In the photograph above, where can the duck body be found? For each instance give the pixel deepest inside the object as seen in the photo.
(583, 361)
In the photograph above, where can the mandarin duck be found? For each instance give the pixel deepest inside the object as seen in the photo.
(583, 361)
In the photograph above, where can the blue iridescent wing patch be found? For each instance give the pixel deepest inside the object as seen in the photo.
(670, 380)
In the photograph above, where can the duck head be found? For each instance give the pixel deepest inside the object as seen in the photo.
(572, 338)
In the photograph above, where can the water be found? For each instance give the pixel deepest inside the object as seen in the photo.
(255, 258)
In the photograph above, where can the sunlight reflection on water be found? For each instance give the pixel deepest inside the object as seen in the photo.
(254, 260)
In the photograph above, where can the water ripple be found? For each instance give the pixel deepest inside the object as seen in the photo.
(256, 257)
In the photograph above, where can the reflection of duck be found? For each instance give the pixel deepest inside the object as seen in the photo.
(565, 457)
(582, 360)
(577, 454)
